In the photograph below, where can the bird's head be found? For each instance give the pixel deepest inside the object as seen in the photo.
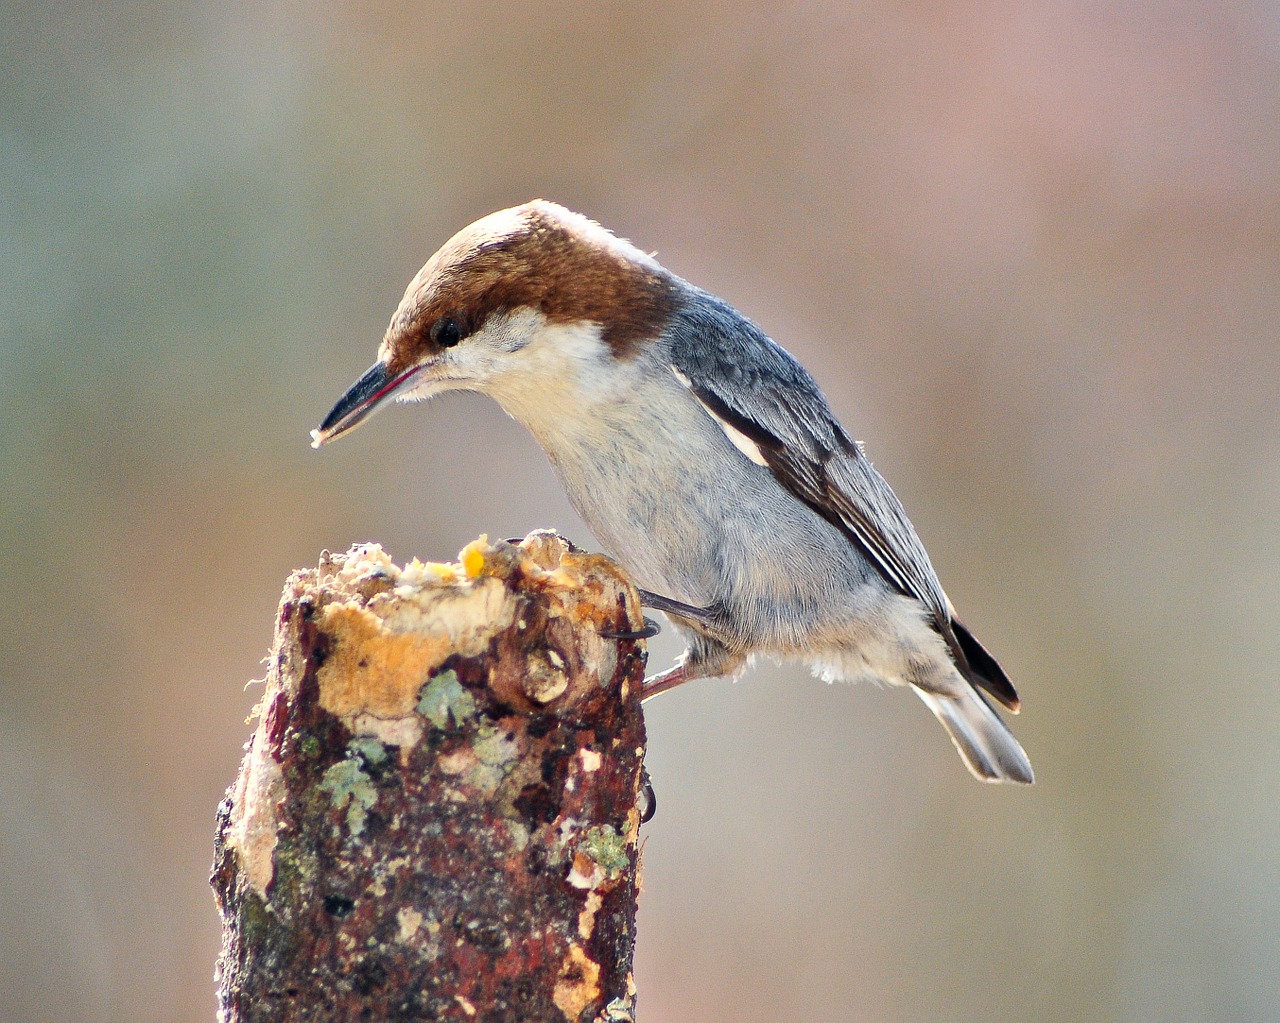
(528, 305)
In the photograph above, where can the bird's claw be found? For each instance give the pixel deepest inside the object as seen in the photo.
(648, 802)
(651, 629)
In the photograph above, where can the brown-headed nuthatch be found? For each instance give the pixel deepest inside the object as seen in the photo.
(701, 454)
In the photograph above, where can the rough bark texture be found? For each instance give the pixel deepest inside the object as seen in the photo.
(436, 818)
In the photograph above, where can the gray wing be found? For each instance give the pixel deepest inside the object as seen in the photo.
(758, 388)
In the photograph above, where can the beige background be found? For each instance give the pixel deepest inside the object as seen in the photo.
(1032, 252)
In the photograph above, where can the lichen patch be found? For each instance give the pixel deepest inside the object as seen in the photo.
(445, 698)
(349, 786)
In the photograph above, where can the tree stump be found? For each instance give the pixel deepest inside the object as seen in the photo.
(436, 818)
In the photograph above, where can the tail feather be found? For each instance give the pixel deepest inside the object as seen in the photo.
(984, 742)
(983, 670)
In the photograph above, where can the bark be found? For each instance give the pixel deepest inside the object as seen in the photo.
(436, 818)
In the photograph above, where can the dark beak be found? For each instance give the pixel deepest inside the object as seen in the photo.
(363, 398)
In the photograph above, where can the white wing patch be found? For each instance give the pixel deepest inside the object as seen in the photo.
(736, 437)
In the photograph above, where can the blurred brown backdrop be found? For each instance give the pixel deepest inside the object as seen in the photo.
(1030, 249)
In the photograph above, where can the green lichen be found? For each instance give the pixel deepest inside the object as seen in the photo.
(608, 848)
(308, 746)
(370, 750)
(444, 697)
(495, 757)
(493, 747)
(349, 786)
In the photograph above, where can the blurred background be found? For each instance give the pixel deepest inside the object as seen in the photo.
(1032, 252)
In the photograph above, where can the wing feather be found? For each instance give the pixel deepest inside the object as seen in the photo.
(744, 378)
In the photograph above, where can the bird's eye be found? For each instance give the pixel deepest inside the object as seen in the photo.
(447, 332)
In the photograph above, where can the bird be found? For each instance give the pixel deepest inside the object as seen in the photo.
(701, 454)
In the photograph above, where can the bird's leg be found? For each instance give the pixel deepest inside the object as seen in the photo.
(672, 677)
(703, 659)
(699, 615)
(655, 685)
